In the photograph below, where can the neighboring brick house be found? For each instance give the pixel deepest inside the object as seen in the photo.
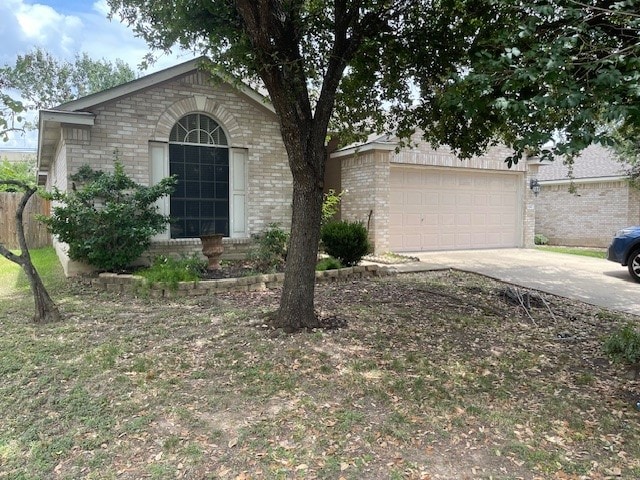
(603, 201)
(421, 199)
(224, 142)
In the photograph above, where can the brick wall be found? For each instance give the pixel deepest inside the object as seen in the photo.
(588, 218)
(234, 249)
(365, 181)
(424, 154)
(128, 125)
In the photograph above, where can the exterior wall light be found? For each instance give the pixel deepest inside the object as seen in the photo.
(534, 185)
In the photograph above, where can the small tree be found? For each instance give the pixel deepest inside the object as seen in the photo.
(330, 205)
(45, 308)
(107, 221)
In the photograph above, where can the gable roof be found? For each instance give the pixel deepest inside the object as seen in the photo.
(78, 112)
(595, 162)
(157, 78)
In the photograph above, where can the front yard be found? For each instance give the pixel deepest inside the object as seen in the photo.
(435, 376)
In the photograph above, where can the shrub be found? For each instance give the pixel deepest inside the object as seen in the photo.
(107, 221)
(624, 344)
(540, 239)
(346, 241)
(172, 271)
(271, 250)
(329, 263)
(330, 205)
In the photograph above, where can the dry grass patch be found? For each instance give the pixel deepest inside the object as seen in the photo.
(437, 375)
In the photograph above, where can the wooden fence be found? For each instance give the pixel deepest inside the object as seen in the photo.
(35, 232)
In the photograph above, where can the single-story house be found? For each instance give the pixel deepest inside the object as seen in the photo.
(223, 141)
(600, 203)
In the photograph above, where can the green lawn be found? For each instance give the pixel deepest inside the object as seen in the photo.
(585, 252)
(13, 281)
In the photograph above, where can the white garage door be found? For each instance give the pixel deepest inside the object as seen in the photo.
(446, 209)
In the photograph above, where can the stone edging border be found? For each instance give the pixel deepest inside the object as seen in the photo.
(131, 284)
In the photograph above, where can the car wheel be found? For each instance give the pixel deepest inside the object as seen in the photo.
(634, 265)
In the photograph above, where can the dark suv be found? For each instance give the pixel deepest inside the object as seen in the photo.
(625, 250)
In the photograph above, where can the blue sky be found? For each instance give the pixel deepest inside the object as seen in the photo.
(66, 28)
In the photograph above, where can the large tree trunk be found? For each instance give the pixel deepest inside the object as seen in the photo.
(275, 35)
(45, 309)
(296, 304)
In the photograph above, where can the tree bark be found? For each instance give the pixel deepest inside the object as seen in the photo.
(297, 301)
(45, 309)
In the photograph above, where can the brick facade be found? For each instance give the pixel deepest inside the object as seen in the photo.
(126, 125)
(590, 216)
(365, 183)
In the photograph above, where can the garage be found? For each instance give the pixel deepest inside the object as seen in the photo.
(433, 208)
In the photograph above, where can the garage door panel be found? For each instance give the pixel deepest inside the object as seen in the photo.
(447, 238)
(396, 196)
(447, 220)
(464, 200)
(413, 197)
(412, 242)
(412, 220)
(463, 240)
(480, 199)
(463, 219)
(430, 220)
(430, 199)
(437, 209)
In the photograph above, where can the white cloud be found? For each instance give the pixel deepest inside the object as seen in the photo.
(101, 7)
(25, 26)
(42, 24)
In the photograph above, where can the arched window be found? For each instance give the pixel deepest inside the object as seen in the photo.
(198, 128)
(199, 158)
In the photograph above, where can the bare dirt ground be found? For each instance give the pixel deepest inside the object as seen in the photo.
(437, 375)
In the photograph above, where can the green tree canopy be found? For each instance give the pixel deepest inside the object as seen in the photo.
(24, 172)
(10, 114)
(555, 75)
(40, 80)
(350, 62)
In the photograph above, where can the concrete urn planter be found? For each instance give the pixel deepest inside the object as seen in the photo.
(212, 248)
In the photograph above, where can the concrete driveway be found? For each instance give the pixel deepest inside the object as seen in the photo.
(591, 280)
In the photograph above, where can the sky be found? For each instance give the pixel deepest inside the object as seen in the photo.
(65, 28)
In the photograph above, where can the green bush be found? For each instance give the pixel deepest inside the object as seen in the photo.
(270, 252)
(330, 205)
(329, 263)
(107, 219)
(172, 271)
(624, 344)
(346, 241)
(540, 239)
